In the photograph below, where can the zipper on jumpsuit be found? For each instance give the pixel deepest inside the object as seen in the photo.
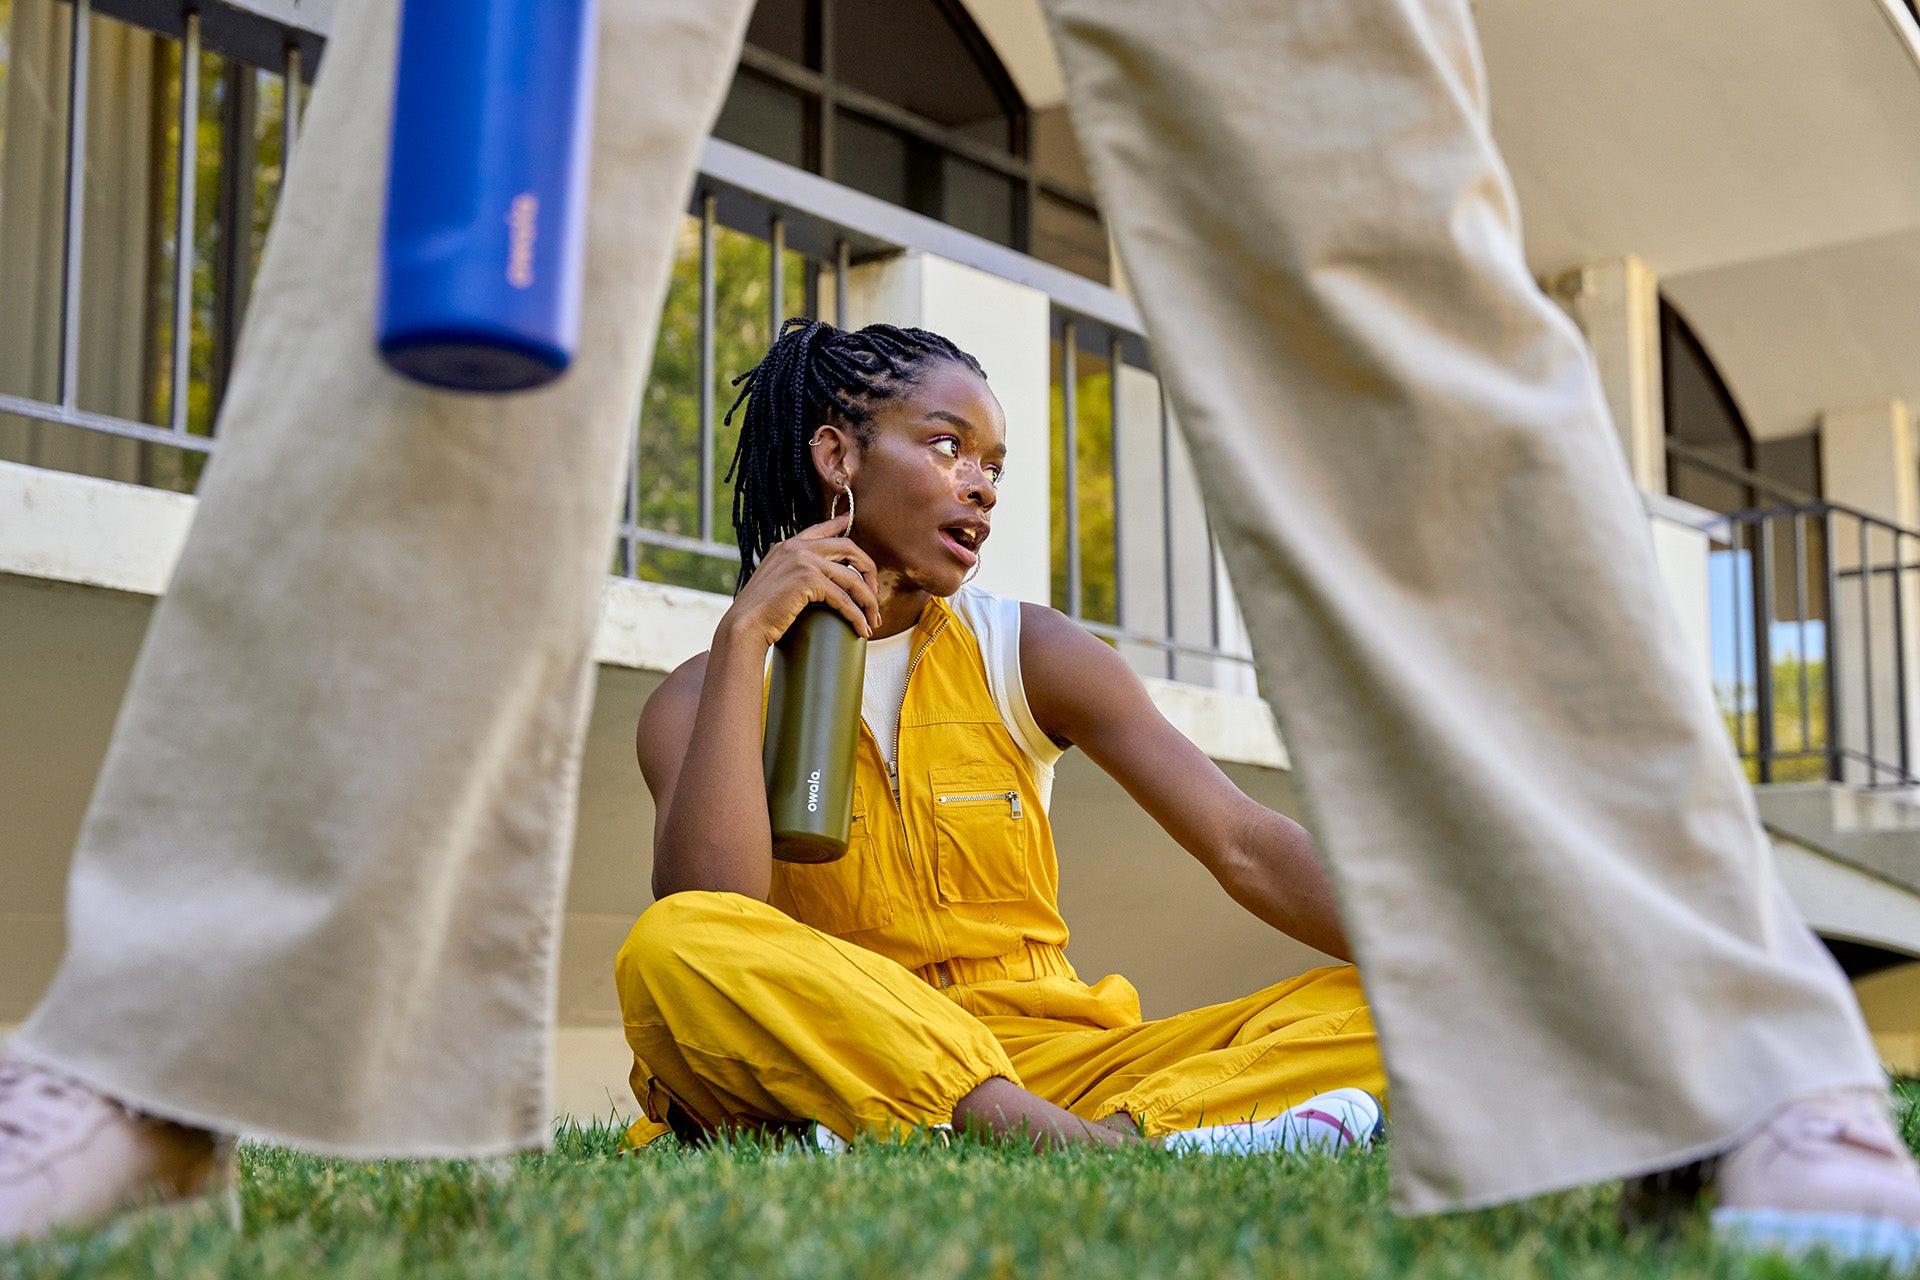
(893, 780)
(1012, 799)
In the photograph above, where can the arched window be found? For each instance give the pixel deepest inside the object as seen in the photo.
(902, 99)
(1705, 421)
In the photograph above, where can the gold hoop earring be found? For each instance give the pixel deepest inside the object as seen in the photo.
(833, 508)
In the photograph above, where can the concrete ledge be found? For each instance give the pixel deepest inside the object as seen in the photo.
(97, 533)
(122, 537)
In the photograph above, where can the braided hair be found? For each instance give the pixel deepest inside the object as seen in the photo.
(812, 375)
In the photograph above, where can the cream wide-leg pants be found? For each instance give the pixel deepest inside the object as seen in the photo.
(317, 892)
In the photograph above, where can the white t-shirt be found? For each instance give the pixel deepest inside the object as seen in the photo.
(881, 693)
(995, 623)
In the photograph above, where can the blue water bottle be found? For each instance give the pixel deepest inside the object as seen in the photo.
(487, 191)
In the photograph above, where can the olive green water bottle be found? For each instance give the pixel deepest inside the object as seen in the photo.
(813, 728)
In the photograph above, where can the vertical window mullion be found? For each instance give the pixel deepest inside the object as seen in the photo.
(828, 103)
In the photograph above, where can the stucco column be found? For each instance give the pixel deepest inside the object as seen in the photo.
(1617, 306)
(1005, 326)
(1867, 462)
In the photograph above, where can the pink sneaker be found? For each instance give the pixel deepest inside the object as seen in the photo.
(69, 1156)
(1826, 1172)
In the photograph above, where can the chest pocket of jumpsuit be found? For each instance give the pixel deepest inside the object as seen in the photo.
(981, 832)
(847, 896)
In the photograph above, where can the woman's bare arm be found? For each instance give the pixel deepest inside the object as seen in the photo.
(1083, 692)
(699, 735)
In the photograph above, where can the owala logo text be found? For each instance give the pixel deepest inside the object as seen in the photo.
(813, 792)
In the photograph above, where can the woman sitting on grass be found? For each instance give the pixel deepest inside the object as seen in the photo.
(922, 979)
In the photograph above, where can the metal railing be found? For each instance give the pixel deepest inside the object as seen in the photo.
(1811, 602)
(830, 227)
(66, 410)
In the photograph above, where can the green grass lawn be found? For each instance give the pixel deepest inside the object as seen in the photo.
(752, 1209)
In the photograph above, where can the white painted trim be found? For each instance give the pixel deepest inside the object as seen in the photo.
(97, 533)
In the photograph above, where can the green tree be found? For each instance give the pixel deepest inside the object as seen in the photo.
(1790, 735)
(1093, 453)
(669, 426)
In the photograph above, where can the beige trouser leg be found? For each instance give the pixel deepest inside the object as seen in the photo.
(318, 889)
(1580, 961)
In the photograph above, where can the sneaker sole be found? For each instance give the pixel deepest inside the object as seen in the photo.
(1843, 1235)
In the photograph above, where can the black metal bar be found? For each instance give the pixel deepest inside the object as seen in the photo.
(74, 228)
(629, 548)
(1762, 566)
(827, 97)
(1070, 473)
(842, 264)
(1166, 519)
(1866, 657)
(706, 368)
(1789, 498)
(1213, 587)
(1114, 443)
(1737, 534)
(1831, 650)
(777, 277)
(1900, 661)
(1800, 616)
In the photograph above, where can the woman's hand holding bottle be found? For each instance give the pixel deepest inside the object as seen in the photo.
(818, 565)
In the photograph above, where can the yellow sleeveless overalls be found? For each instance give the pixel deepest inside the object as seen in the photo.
(873, 993)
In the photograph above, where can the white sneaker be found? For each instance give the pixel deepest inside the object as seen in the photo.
(1331, 1121)
(1826, 1172)
(70, 1156)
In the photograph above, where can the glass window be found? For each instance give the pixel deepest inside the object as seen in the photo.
(914, 53)
(977, 199)
(1071, 235)
(1701, 415)
(784, 27)
(927, 59)
(872, 158)
(766, 117)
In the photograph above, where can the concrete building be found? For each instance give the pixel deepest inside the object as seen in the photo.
(1726, 198)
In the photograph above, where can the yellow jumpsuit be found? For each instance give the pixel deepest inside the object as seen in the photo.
(873, 993)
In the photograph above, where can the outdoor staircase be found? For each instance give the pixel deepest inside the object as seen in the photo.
(1851, 858)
